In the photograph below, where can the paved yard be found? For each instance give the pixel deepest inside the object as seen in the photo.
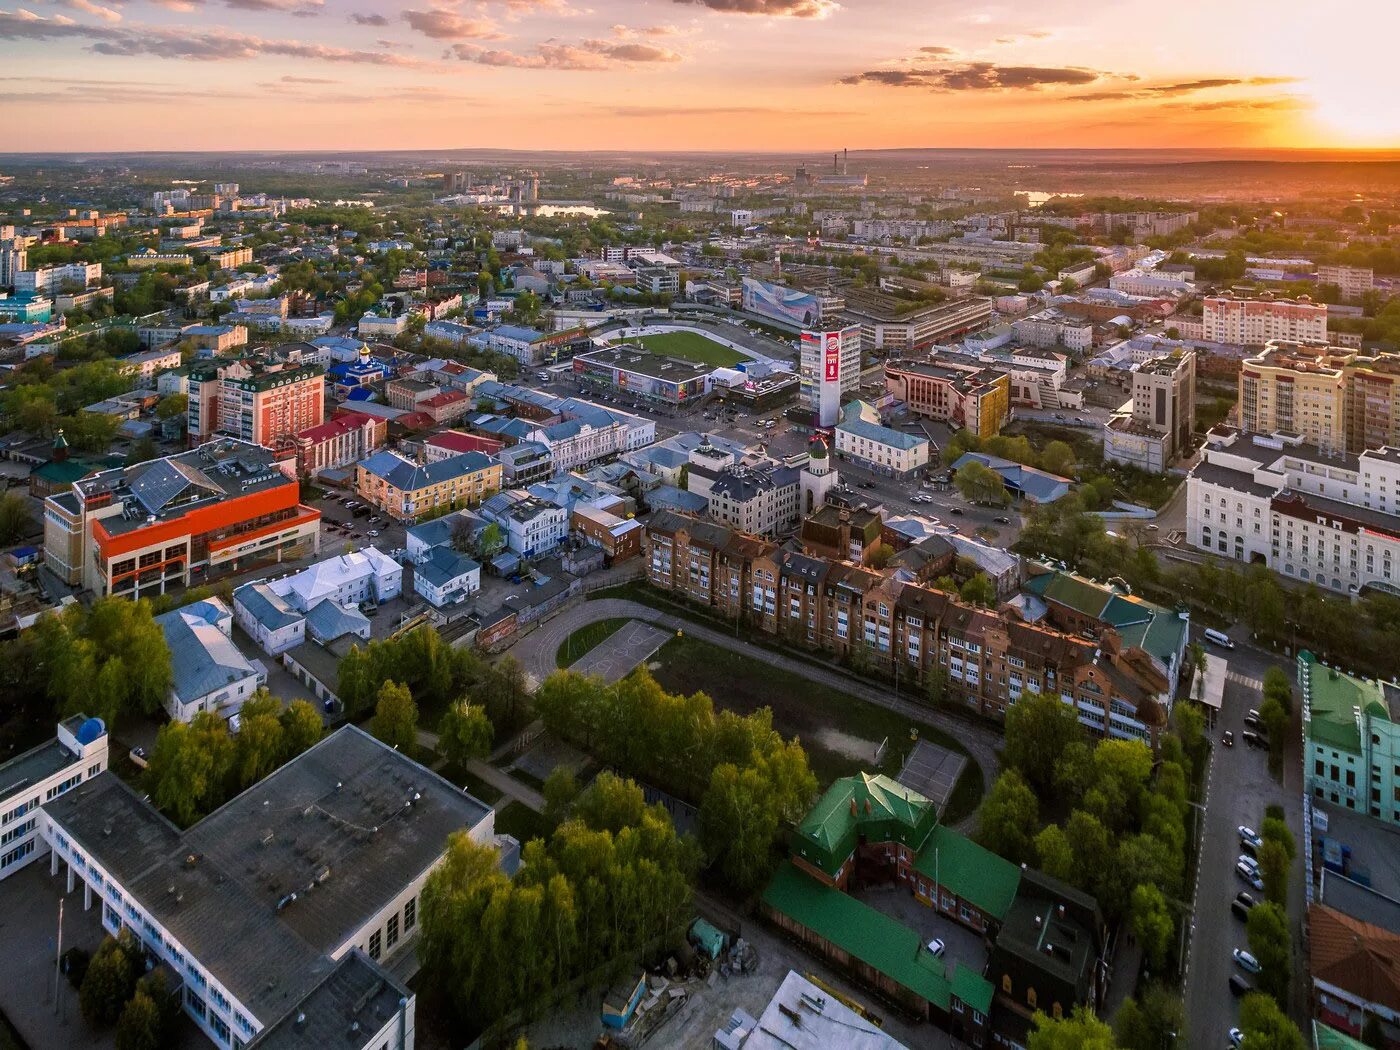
(933, 772)
(614, 658)
(961, 944)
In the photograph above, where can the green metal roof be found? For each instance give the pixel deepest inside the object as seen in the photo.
(874, 938)
(1332, 700)
(972, 988)
(975, 874)
(1326, 1038)
(875, 806)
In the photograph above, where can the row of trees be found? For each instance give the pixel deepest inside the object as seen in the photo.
(611, 879)
(747, 780)
(1123, 832)
(1155, 1022)
(436, 675)
(115, 988)
(196, 766)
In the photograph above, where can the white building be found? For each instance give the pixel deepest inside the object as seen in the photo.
(268, 618)
(1332, 520)
(1354, 281)
(210, 674)
(77, 753)
(376, 327)
(349, 579)
(1150, 284)
(1254, 322)
(49, 279)
(533, 527)
(277, 909)
(862, 439)
(443, 577)
(829, 370)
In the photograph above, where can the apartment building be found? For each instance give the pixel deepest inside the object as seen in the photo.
(1351, 739)
(231, 258)
(259, 399)
(1254, 322)
(862, 439)
(1047, 332)
(1337, 399)
(1150, 284)
(1317, 517)
(971, 396)
(77, 753)
(347, 438)
(1159, 425)
(1354, 281)
(980, 658)
(277, 910)
(224, 506)
(829, 368)
(50, 279)
(532, 527)
(406, 490)
(208, 671)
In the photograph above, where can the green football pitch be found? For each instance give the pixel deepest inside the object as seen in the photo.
(688, 346)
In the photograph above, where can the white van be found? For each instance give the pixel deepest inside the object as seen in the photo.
(1217, 638)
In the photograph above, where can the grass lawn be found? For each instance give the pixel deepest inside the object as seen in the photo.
(522, 822)
(689, 346)
(838, 731)
(587, 638)
(1135, 486)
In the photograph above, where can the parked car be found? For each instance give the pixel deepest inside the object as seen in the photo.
(1256, 739)
(1250, 876)
(1253, 720)
(956, 510)
(1236, 1037)
(1152, 528)
(1244, 960)
(1249, 836)
(373, 534)
(1251, 863)
(866, 484)
(1002, 520)
(936, 946)
(1239, 911)
(1239, 987)
(1228, 739)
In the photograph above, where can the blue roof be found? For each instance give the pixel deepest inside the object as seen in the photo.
(445, 565)
(266, 606)
(510, 331)
(328, 621)
(408, 476)
(1020, 479)
(361, 393)
(202, 657)
(884, 435)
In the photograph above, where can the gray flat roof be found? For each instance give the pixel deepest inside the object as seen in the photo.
(333, 826)
(357, 990)
(34, 766)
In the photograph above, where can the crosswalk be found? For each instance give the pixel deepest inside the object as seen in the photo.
(1244, 680)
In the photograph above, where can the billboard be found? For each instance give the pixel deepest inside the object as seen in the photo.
(779, 303)
(831, 358)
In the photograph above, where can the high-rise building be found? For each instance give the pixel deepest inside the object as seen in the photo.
(1254, 322)
(1353, 281)
(14, 259)
(830, 369)
(1158, 427)
(258, 399)
(1337, 399)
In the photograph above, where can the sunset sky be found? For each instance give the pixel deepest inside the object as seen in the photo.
(694, 74)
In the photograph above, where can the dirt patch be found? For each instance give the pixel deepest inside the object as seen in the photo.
(846, 744)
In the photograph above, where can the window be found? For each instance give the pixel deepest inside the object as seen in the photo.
(375, 949)
(1030, 998)
(393, 930)
(410, 914)
(1006, 983)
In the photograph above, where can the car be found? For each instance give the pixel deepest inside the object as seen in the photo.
(1250, 876)
(1239, 911)
(1256, 739)
(1244, 960)
(936, 946)
(1228, 739)
(1245, 899)
(1002, 520)
(138, 757)
(373, 534)
(1239, 987)
(328, 706)
(1236, 1037)
(356, 536)
(865, 484)
(1253, 720)
(1152, 528)
(1249, 836)
(1249, 861)
(956, 510)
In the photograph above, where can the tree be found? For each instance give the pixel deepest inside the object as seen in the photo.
(1274, 863)
(978, 590)
(465, 733)
(1081, 1030)
(110, 980)
(301, 728)
(1191, 731)
(1054, 854)
(179, 773)
(15, 521)
(1092, 846)
(1277, 686)
(172, 406)
(738, 827)
(143, 450)
(1152, 925)
(978, 483)
(1009, 816)
(260, 745)
(1266, 1026)
(1038, 730)
(1276, 829)
(1058, 458)
(560, 790)
(1153, 1021)
(610, 804)
(139, 1027)
(1276, 721)
(395, 717)
(1271, 944)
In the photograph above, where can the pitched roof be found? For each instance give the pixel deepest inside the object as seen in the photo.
(1355, 956)
(873, 807)
(328, 621)
(202, 657)
(975, 874)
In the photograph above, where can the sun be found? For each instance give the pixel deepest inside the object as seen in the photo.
(1354, 101)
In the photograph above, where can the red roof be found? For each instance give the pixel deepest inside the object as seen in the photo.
(334, 427)
(447, 397)
(457, 442)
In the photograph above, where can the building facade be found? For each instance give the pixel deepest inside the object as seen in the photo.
(829, 369)
(347, 438)
(1351, 739)
(406, 490)
(971, 397)
(260, 400)
(1254, 322)
(77, 753)
(1159, 426)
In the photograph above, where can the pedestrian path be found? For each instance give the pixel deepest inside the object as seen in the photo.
(1244, 680)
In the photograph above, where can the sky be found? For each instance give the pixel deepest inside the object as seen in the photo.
(88, 75)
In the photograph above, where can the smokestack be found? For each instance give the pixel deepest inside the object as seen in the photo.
(844, 156)
(835, 168)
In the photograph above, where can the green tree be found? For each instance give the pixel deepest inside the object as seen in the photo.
(1092, 846)
(738, 827)
(172, 406)
(139, 1027)
(1081, 1030)
(978, 590)
(1191, 731)
(1275, 829)
(109, 981)
(15, 521)
(1058, 458)
(464, 733)
(1152, 925)
(1155, 1020)
(1276, 721)
(1277, 686)
(1008, 818)
(560, 790)
(260, 745)
(1038, 730)
(143, 450)
(301, 728)
(1054, 854)
(395, 717)
(179, 773)
(978, 483)
(1274, 863)
(1271, 944)
(1266, 1026)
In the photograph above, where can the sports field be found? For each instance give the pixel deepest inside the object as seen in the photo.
(688, 346)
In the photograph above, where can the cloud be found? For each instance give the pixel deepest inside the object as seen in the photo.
(448, 25)
(369, 20)
(978, 76)
(938, 51)
(633, 32)
(306, 80)
(1279, 102)
(107, 14)
(672, 113)
(182, 42)
(1017, 38)
(586, 55)
(770, 8)
(1184, 87)
(296, 7)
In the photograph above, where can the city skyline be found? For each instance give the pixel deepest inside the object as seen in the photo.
(687, 74)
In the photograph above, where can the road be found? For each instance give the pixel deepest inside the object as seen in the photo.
(536, 653)
(1238, 790)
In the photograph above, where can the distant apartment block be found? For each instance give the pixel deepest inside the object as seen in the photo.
(1254, 322)
(1354, 281)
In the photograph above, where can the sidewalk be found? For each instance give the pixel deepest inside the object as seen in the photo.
(503, 782)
